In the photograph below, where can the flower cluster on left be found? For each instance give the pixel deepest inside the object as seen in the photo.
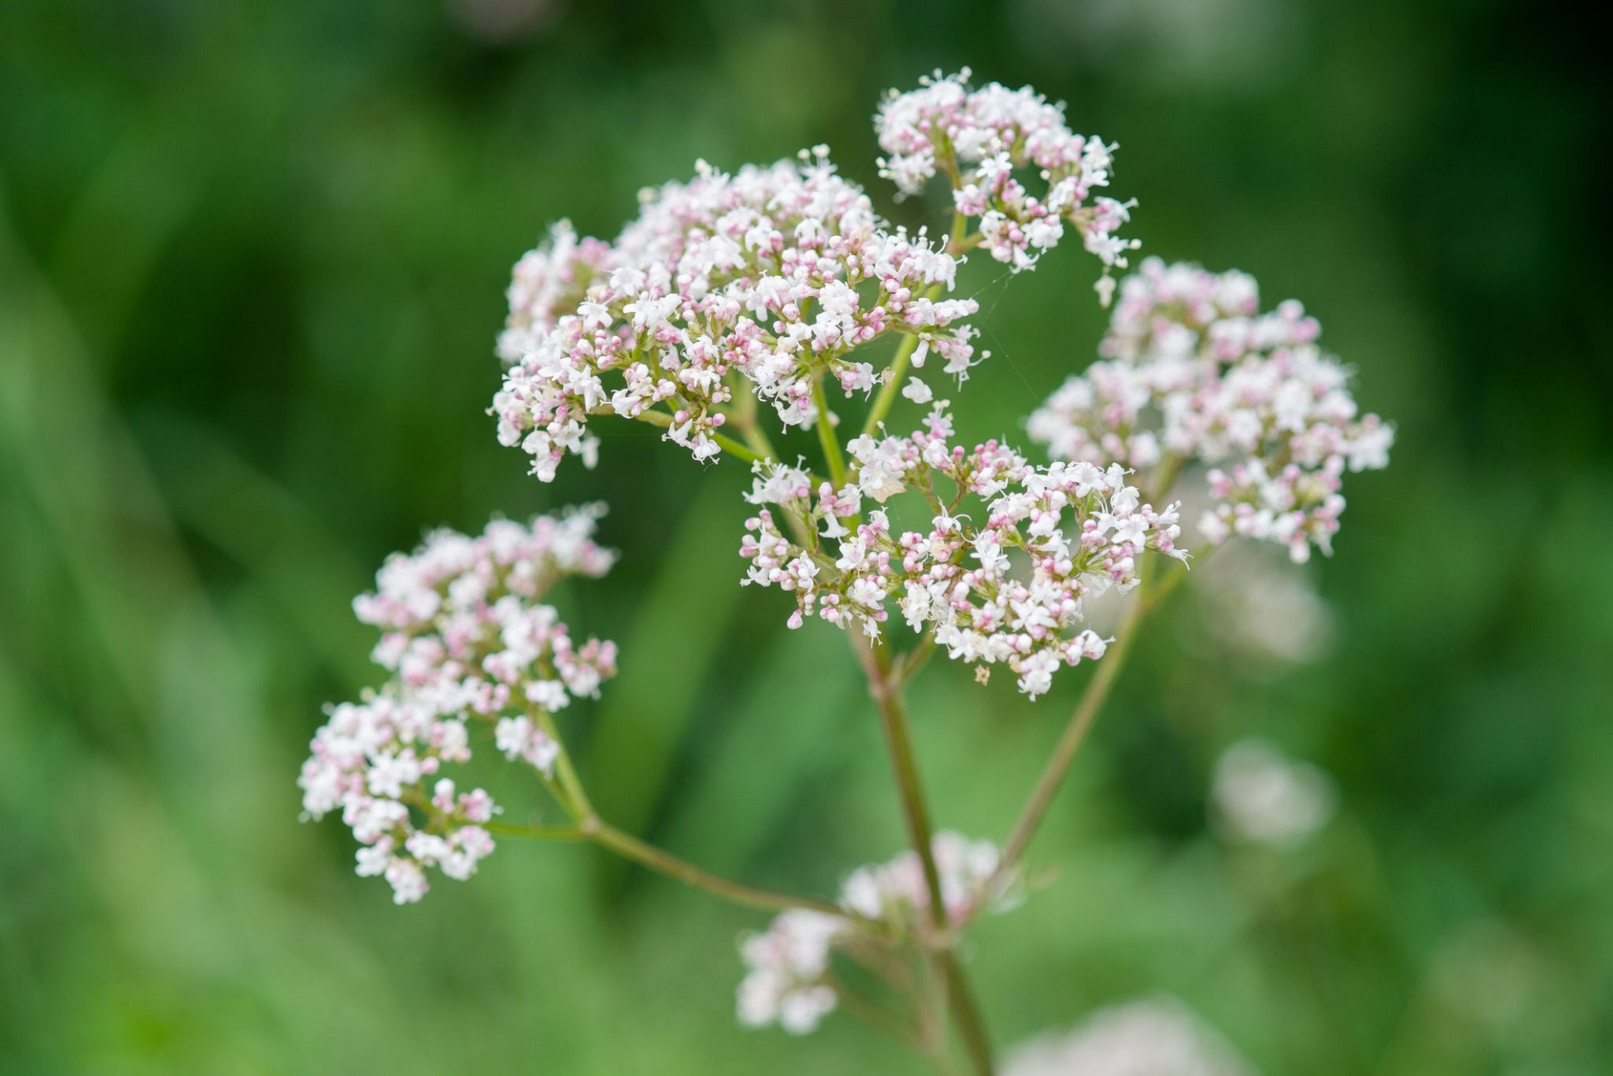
(467, 641)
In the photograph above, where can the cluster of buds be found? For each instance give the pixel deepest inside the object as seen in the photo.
(772, 275)
(789, 981)
(1077, 529)
(465, 638)
(978, 138)
(1193, 372)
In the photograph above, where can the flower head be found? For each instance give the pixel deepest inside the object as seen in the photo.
(467, 642)
(1193, 372)
(998, 575)
(1151, 1037)
(761, 281)
(983, 139)
(1263, 797)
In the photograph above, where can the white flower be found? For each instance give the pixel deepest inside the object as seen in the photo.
(917, 391)
(1152, 1037)
(1192, 370)
(787, 965)
(1261, 796)
(466, 638)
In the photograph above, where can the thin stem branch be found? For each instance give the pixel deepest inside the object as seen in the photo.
(966, 1012)
(746, 410)
(1096, 693)
(1075, 733)
(885, 686)
(540, 833)
(647, 855)
(827, 438)
(875, 1015)
(957, 243)
(895, 374)
(734, 448)
(575, 799)
(589, 826)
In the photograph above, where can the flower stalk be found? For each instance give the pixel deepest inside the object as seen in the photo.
(885, 686)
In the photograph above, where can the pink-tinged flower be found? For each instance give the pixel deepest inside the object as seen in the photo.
(1077, 530)
(980, 139)
(468, 643)
(1192, 372)
(762, 281)
(1152, 1037)
(788, 980)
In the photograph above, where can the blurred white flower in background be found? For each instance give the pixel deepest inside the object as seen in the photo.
(1264, 607)
(1260, 795)
(498, 22)
(1156, 1036)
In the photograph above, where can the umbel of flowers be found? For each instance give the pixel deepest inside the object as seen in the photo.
(1081, 530)
(1193, 372)
(739, 305)
(466, 641)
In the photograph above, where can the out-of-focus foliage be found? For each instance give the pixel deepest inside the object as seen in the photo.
(251, 265)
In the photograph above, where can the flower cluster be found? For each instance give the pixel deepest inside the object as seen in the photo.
(788, 979)
(1191, 371)
(770, 276)
(979, 138)
(1261, 796)
(1151, 1037)
(465, 637)
(1081, 529)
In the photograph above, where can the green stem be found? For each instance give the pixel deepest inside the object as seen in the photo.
(1075, 733)
(575, 799)
(589, 826)
(647, 855)
(747, 408)
(1096, 693)
(734, 448)
(956, 244)
(894, 376)
(886, 689)
(827, 436)
(875, 1015)
(540, 833)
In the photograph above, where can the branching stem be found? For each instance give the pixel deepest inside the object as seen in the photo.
(1075, 733)
(885, 685)
(957, 243)
(647, 855)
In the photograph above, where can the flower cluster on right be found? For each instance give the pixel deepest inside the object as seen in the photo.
(1193, 372)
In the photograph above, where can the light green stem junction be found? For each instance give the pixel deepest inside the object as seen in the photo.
(647, 855)
(827, 438)
(957, 243)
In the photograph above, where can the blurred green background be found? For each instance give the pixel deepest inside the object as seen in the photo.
(252, 260)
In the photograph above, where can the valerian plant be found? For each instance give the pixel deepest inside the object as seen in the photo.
(737, 305)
